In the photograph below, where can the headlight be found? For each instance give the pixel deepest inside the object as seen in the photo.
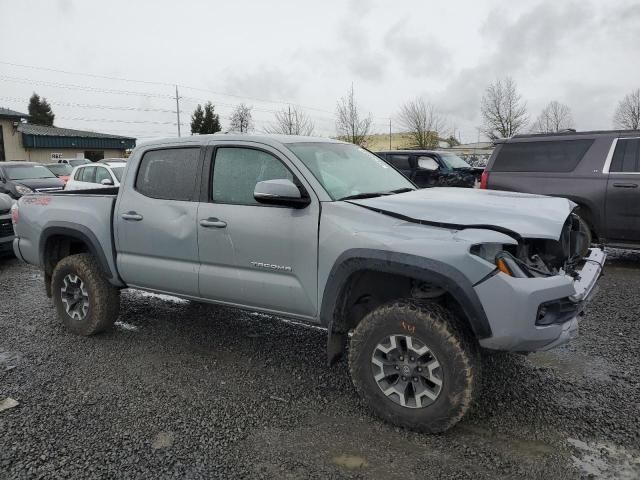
(22, 190)
(496, 254)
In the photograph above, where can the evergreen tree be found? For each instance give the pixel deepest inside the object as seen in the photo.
(211, 122)
(197, 118)
(40, 111)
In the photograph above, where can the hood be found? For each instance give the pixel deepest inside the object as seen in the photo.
(523, 214)
(34, 183)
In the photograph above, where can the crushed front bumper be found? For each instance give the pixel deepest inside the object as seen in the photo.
(512, 306)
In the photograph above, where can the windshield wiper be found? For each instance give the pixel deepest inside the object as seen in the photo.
(363, 195)
(376, 194)
(402, 190)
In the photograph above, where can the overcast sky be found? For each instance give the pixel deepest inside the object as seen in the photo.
(585, 54)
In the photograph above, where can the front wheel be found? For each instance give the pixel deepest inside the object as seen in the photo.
(85, 301)
(415, 365)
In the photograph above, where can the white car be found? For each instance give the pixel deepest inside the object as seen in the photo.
(105, 173)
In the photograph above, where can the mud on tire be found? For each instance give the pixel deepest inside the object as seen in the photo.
(85, 301)
(437, 349)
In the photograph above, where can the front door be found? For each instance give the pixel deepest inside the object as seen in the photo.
(155, 222)
(622, 214)
(252, 254)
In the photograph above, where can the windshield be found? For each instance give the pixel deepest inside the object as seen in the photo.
(28, 172)
(345, 169)
(60, 168)
(453, 161)
(118, 171)
(81, 161)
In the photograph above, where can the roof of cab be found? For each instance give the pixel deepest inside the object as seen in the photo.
(267, 139)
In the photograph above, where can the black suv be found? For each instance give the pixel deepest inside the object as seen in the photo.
(19, 178)
(431, 168)
(600, 171)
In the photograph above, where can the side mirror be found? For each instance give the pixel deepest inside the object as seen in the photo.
(280, 192)
(106, 181)
(427, 163)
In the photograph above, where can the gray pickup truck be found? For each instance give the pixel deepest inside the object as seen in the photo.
(327, 233)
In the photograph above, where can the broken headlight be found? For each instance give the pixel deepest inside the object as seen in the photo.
(500, 256)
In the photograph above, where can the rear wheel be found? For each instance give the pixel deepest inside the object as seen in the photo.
(85, 301)
(415, 365)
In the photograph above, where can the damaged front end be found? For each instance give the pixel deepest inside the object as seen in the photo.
(534, 257)
(560, 278)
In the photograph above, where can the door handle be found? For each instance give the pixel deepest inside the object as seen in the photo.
(136, 217)
(625, 185)
(212, 223)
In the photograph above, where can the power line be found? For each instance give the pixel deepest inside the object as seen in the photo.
(95, 106)
(212, 92)
(70, 86)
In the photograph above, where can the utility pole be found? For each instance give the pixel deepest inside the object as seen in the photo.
(178, 109)
(389, 134)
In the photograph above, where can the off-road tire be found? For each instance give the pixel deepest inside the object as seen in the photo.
(103, 298)
(451, 343)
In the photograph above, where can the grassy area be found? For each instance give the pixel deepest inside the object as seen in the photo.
(381, 141)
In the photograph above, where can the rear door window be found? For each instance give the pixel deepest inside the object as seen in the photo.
(169, 174)
(553, 156)
(625, 158)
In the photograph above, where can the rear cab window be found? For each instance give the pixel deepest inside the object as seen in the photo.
(542, 156)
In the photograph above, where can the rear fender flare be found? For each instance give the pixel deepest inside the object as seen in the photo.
(83, 234)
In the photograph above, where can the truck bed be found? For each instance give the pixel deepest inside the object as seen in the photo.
(89, 213)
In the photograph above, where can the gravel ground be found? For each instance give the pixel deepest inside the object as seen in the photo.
(189, 390)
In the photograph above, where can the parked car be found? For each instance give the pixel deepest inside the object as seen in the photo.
(6, 226)
(327, 233)
(430, 168)
(60, 170)
(597, 170)
(74, 162)
(19, 178)
(96, 175)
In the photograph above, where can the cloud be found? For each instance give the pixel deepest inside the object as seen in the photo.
(418, 53)
(265, 82)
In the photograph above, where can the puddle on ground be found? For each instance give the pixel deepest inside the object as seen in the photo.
(530, 449)
(573, 364)
(125, 326)
(159, 296)
(605, 461)
(350, 462)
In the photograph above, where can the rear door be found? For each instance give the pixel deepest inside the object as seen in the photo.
(622, 212)
(155, 221)
(252, 254)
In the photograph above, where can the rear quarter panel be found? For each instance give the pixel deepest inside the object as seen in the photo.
(39, 213)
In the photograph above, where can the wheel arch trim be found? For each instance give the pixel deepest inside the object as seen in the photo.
(447, 277)
(83, 234)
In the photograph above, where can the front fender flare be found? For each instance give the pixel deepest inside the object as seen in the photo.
(444, 275)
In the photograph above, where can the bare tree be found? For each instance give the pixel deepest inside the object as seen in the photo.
(241, 119)
(555, 117)
(504, 113)
(627, 116)
(349, 125)
(291, 121)
(423, 121)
